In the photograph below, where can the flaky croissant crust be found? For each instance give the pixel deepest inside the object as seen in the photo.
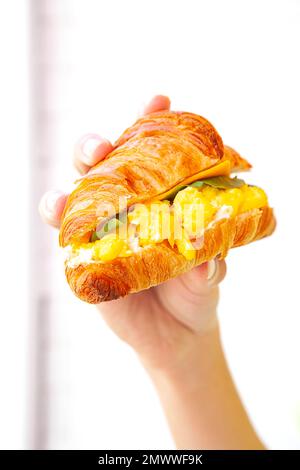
(97, 282)
(156, 153)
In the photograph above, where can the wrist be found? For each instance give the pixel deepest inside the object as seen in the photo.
(197, 355)
(200, 401)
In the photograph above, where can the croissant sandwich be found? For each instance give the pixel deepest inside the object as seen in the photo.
(163, 201)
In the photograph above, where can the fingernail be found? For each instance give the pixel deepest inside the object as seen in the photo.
(49, 202)
(212, 269)
(88, 149)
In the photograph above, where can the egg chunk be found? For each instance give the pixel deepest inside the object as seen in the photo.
(178, 223)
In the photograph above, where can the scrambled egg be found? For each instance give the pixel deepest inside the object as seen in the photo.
(178, 224)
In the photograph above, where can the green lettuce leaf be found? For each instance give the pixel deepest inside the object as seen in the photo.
(110, 226)
(219, 182)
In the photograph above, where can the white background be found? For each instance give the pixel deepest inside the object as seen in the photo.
(236, 63)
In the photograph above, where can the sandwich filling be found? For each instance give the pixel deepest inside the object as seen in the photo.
(178, 220)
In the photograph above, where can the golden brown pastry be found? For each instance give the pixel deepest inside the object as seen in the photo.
(168, 164)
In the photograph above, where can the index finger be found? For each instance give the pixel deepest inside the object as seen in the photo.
(157, 103)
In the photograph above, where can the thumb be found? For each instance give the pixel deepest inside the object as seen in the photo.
(202, 279)
(192, 298)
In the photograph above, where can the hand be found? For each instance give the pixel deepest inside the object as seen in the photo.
(162, 323)
(174, 329)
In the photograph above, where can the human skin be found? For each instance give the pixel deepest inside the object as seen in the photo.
(174, 330)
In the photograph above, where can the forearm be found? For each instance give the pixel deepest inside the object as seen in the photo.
(200, 400)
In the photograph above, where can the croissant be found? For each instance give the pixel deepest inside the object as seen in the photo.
(168, 166)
